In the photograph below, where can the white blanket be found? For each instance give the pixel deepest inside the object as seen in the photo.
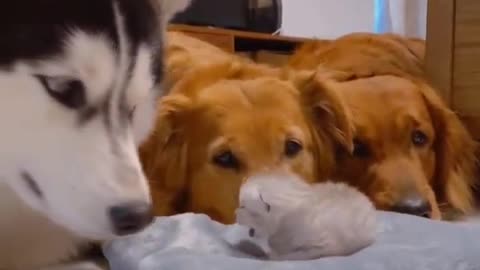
(189, 242)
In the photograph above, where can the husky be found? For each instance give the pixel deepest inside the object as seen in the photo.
(79, 81)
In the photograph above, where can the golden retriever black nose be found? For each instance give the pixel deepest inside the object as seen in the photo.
(413, 204)
(131, 217)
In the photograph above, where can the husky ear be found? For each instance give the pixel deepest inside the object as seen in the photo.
(164, 156)
(169, 8)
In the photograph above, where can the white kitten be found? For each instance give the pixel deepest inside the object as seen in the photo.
(299, 221)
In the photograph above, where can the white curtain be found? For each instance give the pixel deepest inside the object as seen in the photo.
(405, 17)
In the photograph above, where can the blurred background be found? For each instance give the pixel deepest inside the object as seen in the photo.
(328, 19)
(322, 19)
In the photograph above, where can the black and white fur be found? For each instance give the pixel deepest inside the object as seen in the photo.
(79, 80)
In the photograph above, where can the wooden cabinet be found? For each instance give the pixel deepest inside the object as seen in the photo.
(219, 39)
(453, 56)
(272, 49)
(237, 41)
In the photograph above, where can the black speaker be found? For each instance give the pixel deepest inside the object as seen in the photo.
(263, 16)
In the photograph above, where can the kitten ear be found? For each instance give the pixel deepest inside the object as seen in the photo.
(170, 8)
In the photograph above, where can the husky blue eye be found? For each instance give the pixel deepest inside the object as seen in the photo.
(67, 91)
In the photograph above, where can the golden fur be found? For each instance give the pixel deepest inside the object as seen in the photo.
(229, 120)
(382, 81)
(184, 52)
(363, 55)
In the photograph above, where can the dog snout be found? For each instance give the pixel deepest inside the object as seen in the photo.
(414, 204)
(131, 217)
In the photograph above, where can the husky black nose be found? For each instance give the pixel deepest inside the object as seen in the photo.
(131, 217)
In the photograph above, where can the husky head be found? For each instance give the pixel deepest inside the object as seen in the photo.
(79, 81)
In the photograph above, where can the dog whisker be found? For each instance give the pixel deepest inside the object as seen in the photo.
(268, 207)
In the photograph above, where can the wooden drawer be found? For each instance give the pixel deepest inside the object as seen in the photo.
(223, 41)
(239, 41)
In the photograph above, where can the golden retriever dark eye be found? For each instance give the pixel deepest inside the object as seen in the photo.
(226, 160)
(419, 138)
(292, 148)
(361, 149)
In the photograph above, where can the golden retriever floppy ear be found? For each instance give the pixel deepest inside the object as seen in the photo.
(455, 155)
(329, 113)
(164, 155)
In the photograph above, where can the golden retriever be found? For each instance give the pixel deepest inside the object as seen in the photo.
(184, 52)
(411, 152)
(231, 120)
(363, 55)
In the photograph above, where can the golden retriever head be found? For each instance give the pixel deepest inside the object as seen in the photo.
(411, 153)
(224, 123)
(364, 55)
